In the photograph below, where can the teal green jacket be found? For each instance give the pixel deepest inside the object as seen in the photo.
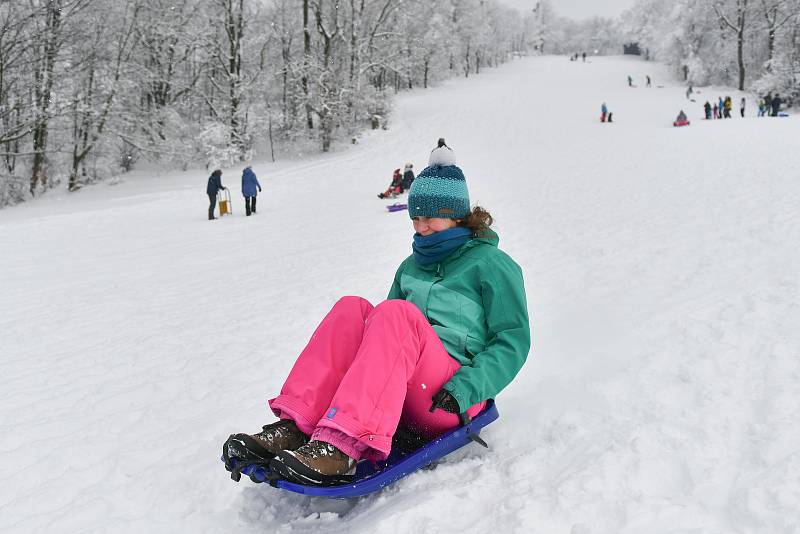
(475, 301)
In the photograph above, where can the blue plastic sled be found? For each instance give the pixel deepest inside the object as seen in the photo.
(397, 207)
(369, 479)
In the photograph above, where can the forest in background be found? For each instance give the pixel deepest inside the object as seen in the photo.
(748, 44)
(89, 89)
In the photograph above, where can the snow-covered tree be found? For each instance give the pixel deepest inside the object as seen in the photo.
(90, 87)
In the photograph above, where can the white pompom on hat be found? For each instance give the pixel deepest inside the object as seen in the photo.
(442, 157)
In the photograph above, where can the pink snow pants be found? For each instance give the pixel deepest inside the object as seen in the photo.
(364, 370)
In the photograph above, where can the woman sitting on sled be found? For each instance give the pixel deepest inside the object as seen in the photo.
(452, 333)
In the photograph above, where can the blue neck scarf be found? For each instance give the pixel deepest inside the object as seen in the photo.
(436, 247)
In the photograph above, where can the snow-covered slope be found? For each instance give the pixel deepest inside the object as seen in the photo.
(661, 264)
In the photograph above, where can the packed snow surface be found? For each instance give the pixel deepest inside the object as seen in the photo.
(662, 393)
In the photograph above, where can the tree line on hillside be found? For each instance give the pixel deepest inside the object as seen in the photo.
(749, 44)
(91, 88)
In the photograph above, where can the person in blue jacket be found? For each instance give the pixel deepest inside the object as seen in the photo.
(249, 186)
(214, 185)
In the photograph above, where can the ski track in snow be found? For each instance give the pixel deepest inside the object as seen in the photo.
(661, 394)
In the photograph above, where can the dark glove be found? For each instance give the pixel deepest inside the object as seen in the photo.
(445, 400)
(259, 189)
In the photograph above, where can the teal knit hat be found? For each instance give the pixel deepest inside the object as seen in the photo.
(440, 190)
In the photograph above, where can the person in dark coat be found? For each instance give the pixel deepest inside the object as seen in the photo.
(768, 103)
(742, 105)
(776, 104)
(214, 186)
(249, 186)
(408, 177)
(707, 108)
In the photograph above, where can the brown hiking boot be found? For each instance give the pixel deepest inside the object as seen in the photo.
(280, 436)
(262, 447)
(316, 463)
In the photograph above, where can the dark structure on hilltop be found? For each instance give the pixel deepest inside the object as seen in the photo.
(631, 49)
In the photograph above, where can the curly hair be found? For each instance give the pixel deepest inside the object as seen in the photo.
(479, 221)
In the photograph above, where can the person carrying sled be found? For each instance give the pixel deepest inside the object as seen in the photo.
(250, 190)
(213, 187)
(395, 187)
(453, 333)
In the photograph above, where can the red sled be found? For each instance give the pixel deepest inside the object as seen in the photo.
(680, 123)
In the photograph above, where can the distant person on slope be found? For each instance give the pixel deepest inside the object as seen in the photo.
(776, 104)
(707, 108)
(647, 77)
(742, 105)
(768, 103)
(250, 190)
(728, 104)
(408, 177)
(630, 81)
(453, 333)
(603, 112)
(213, 187)
(394, 188)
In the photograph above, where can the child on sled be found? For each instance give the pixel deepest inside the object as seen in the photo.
(681, 119)
(395, 188)
(452, 333)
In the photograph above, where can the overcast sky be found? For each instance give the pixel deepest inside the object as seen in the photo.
(578, 9)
